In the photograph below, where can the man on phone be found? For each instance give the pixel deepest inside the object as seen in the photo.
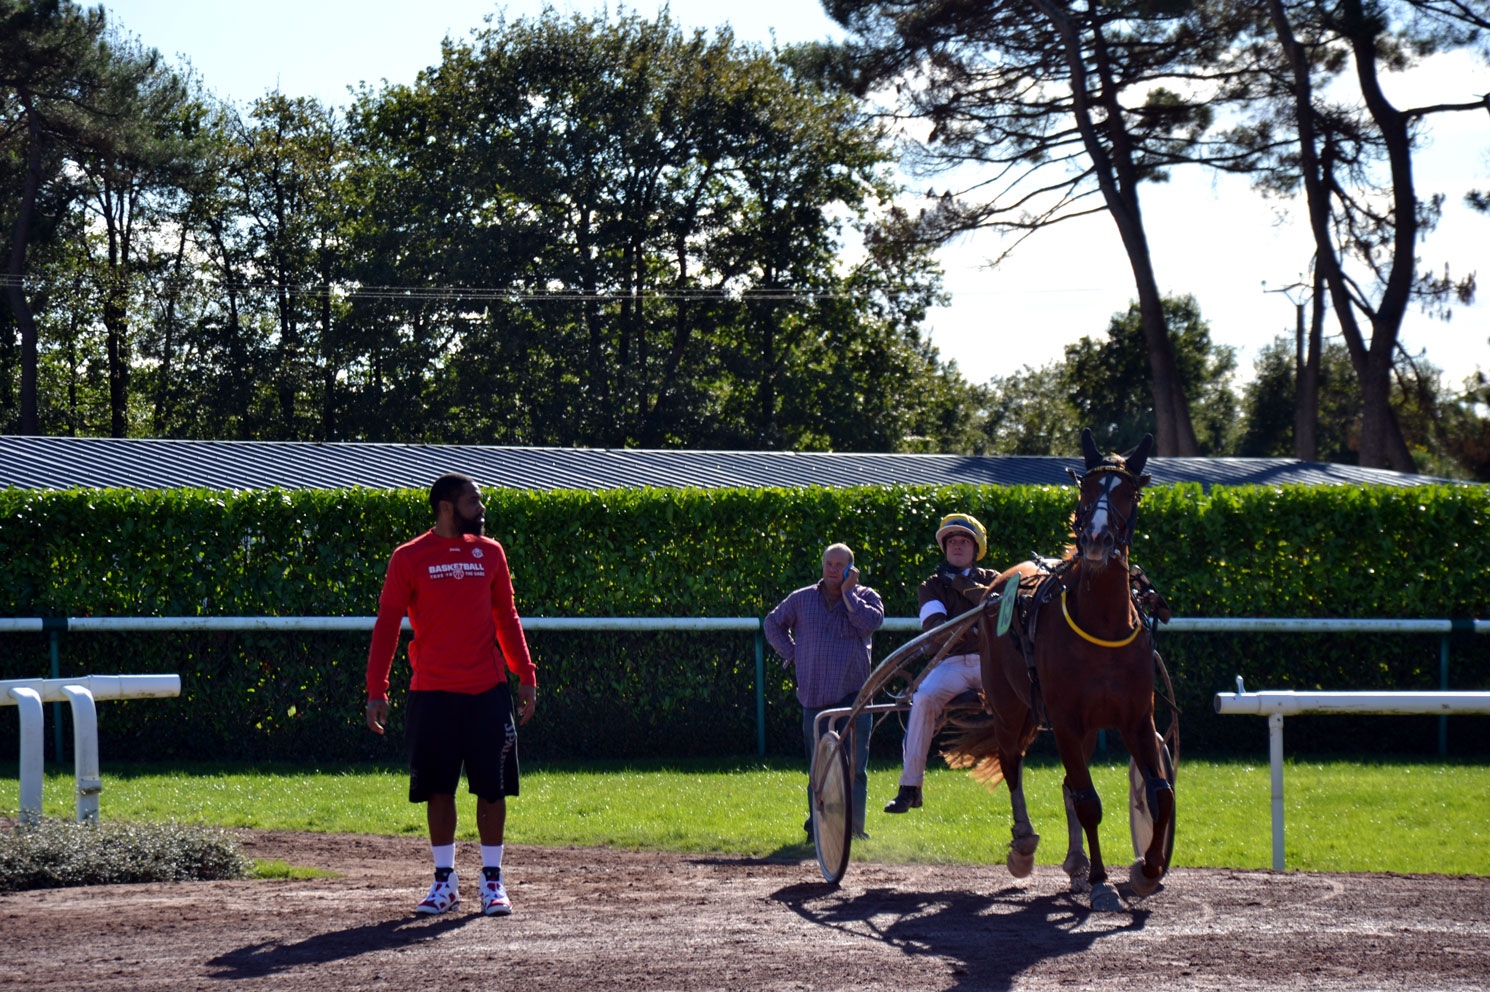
(824, 631)
(454, 585)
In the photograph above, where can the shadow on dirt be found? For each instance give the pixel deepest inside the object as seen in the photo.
(259, 960)
(988, 939)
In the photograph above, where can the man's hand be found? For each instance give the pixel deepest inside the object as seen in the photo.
(377, 715)
(527, 701)
(851, 580)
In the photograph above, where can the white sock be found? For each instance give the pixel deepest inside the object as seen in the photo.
(444, 855)
(491, 855)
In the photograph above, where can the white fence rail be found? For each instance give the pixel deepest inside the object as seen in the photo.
(27, 695)
(753, 625)
(1276, 705)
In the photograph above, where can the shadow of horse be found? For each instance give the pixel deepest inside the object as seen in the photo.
(989, 939)
(260, 960)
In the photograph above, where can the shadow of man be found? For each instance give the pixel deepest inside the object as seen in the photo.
(258, 960)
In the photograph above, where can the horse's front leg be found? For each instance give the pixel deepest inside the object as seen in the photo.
(1076, 864)
(1145, 873)
(1021, 859)
(1088, 807)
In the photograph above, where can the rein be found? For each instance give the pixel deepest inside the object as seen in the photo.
(1096, 640)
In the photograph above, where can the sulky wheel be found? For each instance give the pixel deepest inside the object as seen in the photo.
(832, 802)
(1140, 818)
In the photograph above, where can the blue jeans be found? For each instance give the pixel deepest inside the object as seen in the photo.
(862, 726)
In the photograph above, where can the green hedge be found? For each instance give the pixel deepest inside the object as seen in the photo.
(1249, 551)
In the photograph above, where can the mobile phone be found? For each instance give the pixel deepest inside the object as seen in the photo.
(846, 572)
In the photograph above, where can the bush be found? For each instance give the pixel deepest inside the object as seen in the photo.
(55, 855)
(1228, 552)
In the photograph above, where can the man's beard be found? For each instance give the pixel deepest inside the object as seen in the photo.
(470, 525)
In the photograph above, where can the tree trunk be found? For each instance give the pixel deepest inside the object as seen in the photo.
(1306, 377)
(328, 357)
(16, 270)
(682, 330)
(1174, 433)
(116, 206)
(162, 386)
(1388, 445)
(1380, 432)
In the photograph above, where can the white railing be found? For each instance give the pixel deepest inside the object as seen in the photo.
(754, 625)
(27, 695)
(1278, 704)
(1180, 625)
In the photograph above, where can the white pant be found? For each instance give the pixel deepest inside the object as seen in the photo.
(956, 674)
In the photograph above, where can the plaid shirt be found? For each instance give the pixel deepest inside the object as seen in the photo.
(827, 642)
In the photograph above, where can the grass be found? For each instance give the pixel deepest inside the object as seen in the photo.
(275, 868)
(1341, 815)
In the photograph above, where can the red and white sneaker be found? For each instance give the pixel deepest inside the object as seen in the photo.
(443, 894)
(494, 901)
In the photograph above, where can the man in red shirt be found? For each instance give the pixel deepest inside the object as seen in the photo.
(454, 585)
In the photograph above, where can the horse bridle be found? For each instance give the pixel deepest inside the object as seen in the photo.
(1123, 532)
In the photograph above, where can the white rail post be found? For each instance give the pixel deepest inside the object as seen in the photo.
(1275, 756)
(33, 747)
(1276, 705)
(85, 751)
(82, 693)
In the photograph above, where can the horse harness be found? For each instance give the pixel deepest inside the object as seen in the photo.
(1051, 580)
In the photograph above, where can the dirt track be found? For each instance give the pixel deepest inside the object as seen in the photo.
(603, 919)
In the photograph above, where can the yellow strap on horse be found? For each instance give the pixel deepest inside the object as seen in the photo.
(1096, 640)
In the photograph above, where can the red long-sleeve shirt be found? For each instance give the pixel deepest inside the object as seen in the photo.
(457, 593)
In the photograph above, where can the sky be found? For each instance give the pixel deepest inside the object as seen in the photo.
(1210, 236)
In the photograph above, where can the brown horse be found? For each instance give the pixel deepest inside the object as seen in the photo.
(1080, 657)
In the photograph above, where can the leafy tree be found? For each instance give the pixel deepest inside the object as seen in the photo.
(1101, 384)
(1466, 428)
(1338, 153)
(1108, 390)
(49, 79)
(1446, 433)
(1048, 111)
(284, 173)
(612, 233)
(1268, 424)
(129, 169)
(1028, 413)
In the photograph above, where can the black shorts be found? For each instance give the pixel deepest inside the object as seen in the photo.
(445, 730)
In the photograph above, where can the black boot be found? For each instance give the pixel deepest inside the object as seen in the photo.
(908, 798)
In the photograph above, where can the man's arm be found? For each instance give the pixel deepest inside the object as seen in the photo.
(393, 604)
(866, 611)
(933, 612)
(779, 625)
(510, 637)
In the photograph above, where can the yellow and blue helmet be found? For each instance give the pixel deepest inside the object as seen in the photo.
(963, 523)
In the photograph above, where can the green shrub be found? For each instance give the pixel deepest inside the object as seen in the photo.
(1239, 552)
(55, 854)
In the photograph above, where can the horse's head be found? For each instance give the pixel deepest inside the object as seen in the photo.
(1110, 489)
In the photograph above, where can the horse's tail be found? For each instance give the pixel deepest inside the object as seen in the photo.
(977, 751)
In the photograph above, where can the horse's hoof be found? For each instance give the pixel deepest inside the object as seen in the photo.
(1142, 884)
(1078, 868)
(1020, 864)
(1105, 899)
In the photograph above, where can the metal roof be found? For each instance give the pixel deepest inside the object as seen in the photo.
(75, 462)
